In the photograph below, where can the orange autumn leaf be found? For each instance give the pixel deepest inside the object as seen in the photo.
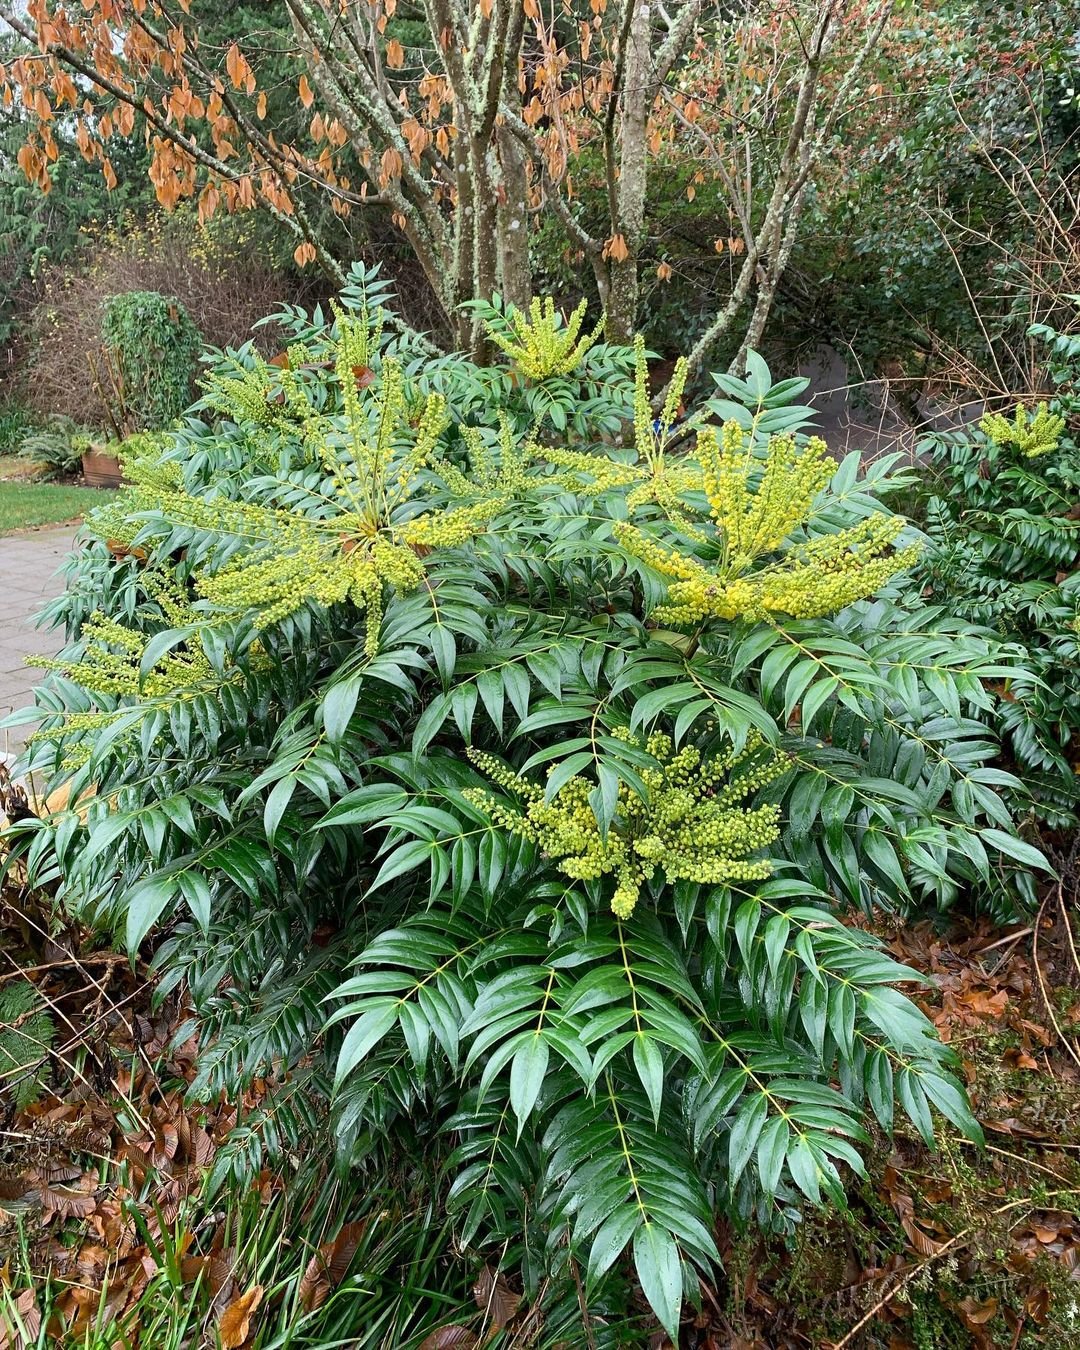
(616, 248)
(235, 1325)
(395, 54)
(663, 272)
(390, 165)
(304, 253)
(307, 98)
(240, 73)
(260, 106)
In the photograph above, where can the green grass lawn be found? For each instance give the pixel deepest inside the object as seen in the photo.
(26, 504)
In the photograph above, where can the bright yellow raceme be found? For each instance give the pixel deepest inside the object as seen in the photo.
(541, 347)
(764, 567)
(1034, 434)
(691, 826)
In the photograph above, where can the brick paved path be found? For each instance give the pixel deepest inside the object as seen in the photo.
(28, 578)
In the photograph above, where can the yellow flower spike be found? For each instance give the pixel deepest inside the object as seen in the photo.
(373, 452)
(761, 568)
(541, 346)
(687, 827)
(1037, 434)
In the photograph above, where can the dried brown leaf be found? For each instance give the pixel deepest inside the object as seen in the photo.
(67, 1203)
(451, 1338)
(922, 1242)
(235, 1324)
(1037, 1305)
(976, 1313)
(495, 1298)
(14, 1188)
(329, 1266)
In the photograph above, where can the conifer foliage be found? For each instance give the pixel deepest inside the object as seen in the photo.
(516, 775)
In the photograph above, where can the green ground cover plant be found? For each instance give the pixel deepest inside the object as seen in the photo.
(57, 448)
(497, 756)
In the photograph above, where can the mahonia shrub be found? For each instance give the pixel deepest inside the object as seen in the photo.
(1002, 513)
(505, 774)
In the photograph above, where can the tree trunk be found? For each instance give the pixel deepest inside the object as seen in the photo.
(629, 222)
(515, 271)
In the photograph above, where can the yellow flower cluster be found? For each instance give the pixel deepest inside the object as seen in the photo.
(113, 653)
(243, 397)
(758, 570)
(651, 476)
(505, 478)
(691, 825)
(588, 473)
(1037, 434)
(366, 533)
(541, 346)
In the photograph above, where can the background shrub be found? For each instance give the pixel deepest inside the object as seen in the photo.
(57, 446)
(224, 287)
(150, 347)
(1002, 517)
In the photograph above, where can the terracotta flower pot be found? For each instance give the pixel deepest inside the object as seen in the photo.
(101, 469)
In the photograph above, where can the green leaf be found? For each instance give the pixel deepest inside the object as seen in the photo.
(803, 1167)
(565, 770)
(414, 853)
(338, 705)
(278, 800)
(879, 1087)
(649, 1063)
(610, 1241)
(659, 1272)
(604, 798)
(1016, 848)
(374, 801)
(771, 1152)
(813, 1006)
(196, 891)
(747, 918)
(842, 1017)
(745, 1130)
(145, 903)
(444, 648)
(431, 721)
(365, 1033)
(952, 1102)
(913, 1100)
(527, 1073)
(804, 802)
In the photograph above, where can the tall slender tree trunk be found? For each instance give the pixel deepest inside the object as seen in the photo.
(630, 189)
(515, 270)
